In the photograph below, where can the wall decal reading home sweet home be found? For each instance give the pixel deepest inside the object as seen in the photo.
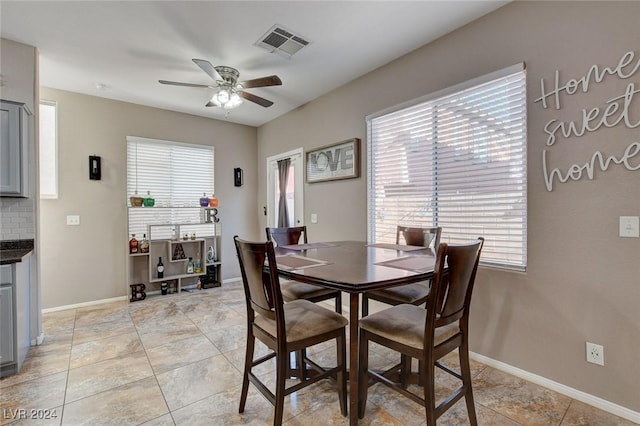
(615, 111)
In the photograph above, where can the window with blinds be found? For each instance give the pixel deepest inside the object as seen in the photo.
(175, 174)
(455, 159)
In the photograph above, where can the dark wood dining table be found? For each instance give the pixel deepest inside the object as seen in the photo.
(355, 267)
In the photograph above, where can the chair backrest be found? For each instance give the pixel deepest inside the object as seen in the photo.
(415, 236)
(287, 236)
(452, 286)
(261, 287)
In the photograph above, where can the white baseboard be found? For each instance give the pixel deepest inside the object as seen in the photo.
(578, 395)
(84, 304)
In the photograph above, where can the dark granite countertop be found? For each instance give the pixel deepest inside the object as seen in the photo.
(12, 251)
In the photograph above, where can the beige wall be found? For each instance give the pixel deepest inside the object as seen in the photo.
(87, 262)
(583, 281)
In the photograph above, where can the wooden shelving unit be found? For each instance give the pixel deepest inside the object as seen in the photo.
(142, 266)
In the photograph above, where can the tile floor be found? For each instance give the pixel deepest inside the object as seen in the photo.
(177, 360)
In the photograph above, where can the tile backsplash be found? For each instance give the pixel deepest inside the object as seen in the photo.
(16, 219)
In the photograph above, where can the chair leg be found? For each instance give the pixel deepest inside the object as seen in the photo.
(363, 374)
(365, 305)
(248, 360)
(341, 376)
(339, 303)
(302, 368)
(429, 393)
(282, 366)
(465, 370)
(405, 370)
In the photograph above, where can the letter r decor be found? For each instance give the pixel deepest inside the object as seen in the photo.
(332, 162)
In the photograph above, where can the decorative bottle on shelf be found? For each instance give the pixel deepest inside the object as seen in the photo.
(197, 267)
(213, 201)
(160, 268)
(204, 200)
(144, 244)
(174, 234)
(148, 201)
(190, 266)
(133, 245)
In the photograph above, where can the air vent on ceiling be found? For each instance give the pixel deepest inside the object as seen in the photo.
(282, 41)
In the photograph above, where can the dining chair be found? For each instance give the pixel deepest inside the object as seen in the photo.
(414, 294)
(284, 327)
(427, 334)
(292, 290)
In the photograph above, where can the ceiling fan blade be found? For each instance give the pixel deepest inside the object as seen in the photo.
(255, 99)
(272, 80)
(208, 68)
(210, 104)
(177, 83)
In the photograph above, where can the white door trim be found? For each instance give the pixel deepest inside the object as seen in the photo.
(299, 184)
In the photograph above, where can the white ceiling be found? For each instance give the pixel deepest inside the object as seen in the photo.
(128, 46)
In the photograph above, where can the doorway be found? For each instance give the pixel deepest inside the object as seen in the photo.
(294, 189)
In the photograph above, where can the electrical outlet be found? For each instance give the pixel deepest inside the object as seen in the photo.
(595, 353)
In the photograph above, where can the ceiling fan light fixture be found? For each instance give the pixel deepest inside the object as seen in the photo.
(226, 98)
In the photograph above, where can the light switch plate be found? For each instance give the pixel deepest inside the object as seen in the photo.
(314, 218)
(73, 219)
(630, 226)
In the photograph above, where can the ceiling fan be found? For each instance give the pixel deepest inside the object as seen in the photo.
(229, 90)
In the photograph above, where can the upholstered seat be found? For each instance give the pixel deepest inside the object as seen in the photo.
(405, 325)
(285, 328)
(414, 294)
(303, 320)
(427, 334)
(292, 290)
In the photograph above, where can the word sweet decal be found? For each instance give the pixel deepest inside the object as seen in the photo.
(615, 111)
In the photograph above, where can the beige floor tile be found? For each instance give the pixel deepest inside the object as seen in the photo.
(41, 361)
(585, 415)
(156, 314)
(518, 399)
(94, 378)
(104, 329)
(165, 420)
(179, 353)
(221, 409)
(193, 382)
(107, 312)
(54, 322)
(216, 320)
(130, 404)
(102, 349)
(45, 393)
(229, 338)
(153, 335)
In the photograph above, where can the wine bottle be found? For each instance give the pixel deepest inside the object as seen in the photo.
(190, 266)
(133, 244)
(144, 244)
(160, 268)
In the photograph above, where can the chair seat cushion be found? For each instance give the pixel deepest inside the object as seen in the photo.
(405, 324)
(304, 319)
(292, 290)
(410, 293)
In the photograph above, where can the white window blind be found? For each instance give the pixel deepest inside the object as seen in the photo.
(175, 174)
(455, 159)
(48, 150)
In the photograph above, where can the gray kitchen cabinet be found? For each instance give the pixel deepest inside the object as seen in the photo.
(15, 336)
(14, 149)
(7, 355)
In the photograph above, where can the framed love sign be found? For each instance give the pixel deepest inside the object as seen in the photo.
(332, 162)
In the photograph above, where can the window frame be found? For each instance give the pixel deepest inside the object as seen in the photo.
(55, 166)
(431, 100)
(166, 210)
